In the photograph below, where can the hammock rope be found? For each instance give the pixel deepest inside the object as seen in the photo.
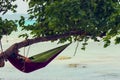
(26, 55)
(76, 48)
(24, 61)
(1, 46)
(28, 50)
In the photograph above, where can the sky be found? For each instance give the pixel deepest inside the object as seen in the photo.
(22, 7)
(21, 10)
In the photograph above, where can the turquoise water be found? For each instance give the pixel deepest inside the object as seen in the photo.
(95, 63)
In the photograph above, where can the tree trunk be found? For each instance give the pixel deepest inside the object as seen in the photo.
(15, 47)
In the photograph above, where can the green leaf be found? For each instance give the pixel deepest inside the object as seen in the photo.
(117, 40)
(107, 43)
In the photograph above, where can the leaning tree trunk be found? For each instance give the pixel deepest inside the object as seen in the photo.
(15, 47)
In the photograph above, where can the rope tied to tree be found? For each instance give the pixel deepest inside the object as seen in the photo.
(26, 54)
(76, 48)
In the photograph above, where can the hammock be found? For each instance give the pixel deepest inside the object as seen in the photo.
(35, 62)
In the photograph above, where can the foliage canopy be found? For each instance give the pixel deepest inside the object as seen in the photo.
(95, 18)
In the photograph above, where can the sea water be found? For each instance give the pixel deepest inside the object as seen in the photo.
(95, 63)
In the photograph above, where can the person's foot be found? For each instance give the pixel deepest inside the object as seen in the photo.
(27, 60)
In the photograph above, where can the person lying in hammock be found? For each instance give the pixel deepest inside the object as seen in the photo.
(20, 58)
(36, 61)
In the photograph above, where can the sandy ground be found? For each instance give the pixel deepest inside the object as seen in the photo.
(96, 63)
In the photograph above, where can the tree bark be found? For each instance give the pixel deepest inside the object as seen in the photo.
(15, 47)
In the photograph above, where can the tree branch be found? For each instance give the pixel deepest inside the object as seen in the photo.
(14, 48)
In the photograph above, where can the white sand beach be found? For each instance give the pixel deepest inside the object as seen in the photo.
(95, 63)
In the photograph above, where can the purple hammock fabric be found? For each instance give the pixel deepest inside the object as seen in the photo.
(29, 66)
